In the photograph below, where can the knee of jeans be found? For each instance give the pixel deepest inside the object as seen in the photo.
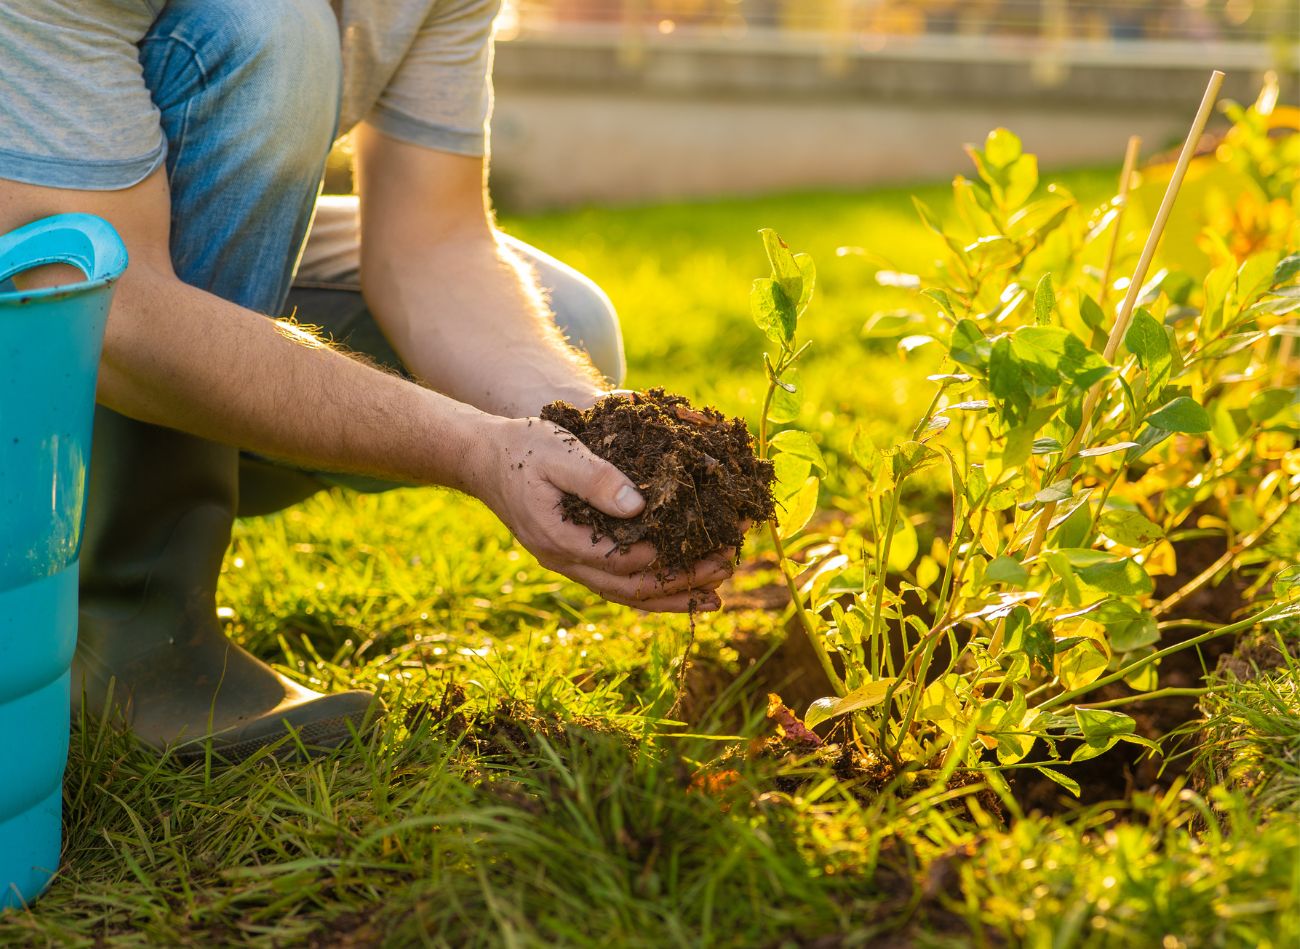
(589, 321)
(276, 67)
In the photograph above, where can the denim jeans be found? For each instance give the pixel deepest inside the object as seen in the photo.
(248, 95)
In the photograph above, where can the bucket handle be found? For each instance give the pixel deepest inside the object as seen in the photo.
(85, 241)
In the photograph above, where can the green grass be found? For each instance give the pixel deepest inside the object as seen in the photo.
(585, 835)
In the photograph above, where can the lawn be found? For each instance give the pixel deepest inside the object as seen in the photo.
(560, 805)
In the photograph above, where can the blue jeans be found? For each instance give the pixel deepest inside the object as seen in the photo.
(248, 93)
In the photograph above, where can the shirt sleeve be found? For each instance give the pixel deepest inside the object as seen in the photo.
(75, 112)
(441, 94)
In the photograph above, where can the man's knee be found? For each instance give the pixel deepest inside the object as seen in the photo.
(583, 312)
(589, 321)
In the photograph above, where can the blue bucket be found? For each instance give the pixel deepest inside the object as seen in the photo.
(50, 341)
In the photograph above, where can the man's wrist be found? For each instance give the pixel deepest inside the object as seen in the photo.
(464, 448)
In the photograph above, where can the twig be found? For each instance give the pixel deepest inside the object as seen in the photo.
(1206, 575)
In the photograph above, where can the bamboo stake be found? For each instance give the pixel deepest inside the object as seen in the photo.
(1125, 182)
(1125, 316)
(1126, 308)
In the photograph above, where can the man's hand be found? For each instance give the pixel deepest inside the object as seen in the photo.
(536, 463)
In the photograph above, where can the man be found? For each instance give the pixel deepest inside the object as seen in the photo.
(200, 131)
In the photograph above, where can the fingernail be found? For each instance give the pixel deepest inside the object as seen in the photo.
(711, 603)
(628, 499)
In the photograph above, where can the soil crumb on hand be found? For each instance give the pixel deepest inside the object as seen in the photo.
(695, 467)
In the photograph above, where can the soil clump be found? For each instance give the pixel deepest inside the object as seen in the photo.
(695, 467)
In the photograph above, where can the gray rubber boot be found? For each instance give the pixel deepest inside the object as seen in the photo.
(161, 505)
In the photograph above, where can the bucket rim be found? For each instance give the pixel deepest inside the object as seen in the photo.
(9, 298)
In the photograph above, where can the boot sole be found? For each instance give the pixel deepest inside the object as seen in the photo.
(318, 739)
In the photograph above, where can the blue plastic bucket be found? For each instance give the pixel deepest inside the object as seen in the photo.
(50, 341)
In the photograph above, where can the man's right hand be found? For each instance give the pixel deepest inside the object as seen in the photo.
(533, 465)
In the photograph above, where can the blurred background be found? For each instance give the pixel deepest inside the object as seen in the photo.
(629, 101)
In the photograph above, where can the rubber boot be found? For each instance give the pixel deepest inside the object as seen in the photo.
(161, 505)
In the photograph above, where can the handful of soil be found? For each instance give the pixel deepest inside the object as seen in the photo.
(695, 467)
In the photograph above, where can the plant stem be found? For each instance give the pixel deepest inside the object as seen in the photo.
(809, 628)
(1146, 696)
(805, 621)
(1123, 673)
(762, 420)
(876, 633)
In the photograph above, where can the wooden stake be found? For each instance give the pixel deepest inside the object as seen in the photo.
(1162, 216)
(1121, 203)
(1125, 316)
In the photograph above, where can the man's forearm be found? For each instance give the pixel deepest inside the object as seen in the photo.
(467, 319)
(460, 309)
(179, 357)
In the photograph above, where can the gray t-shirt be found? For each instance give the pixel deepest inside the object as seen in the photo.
(75, 111)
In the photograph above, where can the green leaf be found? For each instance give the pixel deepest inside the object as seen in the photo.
(809, 274)
(791, 472)
(1286, 270)
(1268, 403)
(1183, 414)
(1002, 147)
(992, 253)
(772, 310)
(1287, 583)
(801, 445)
(1044, 301)
(1086, 752)
(1006, 570)
(1147, 439)
(1218, 283)
(800, 509)
(1091, 313)
(1281, 612)
(1127, 628)
(1056, 492)
(864, 696)
(1007, 379)
(1125, 578)
(1099, 726)
(1054, 350)
(1121, 576)
(890, 324)
(1099, 450)
(909, 458)
(785, 269)
(1130, 528)
(941, 298)
(1021, 180)
(1147, 341)
(1040, 645)
(969, 346)
(865, 452)
(1037, 220)
(1069, 784)
(904, 547)
(1254, 276)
